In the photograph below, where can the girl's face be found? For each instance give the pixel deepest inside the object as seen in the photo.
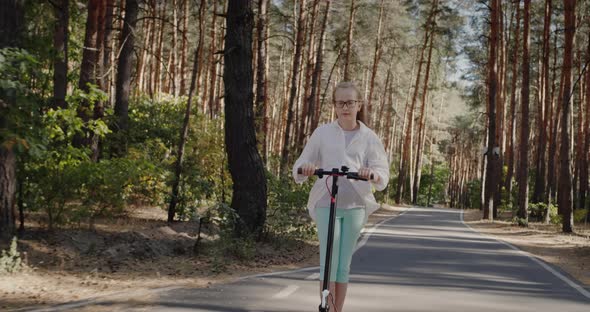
(346, 104)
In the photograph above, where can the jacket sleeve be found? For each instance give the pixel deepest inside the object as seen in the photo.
(310, 154)
(378, 162)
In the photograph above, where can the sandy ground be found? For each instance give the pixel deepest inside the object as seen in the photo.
(570, 252)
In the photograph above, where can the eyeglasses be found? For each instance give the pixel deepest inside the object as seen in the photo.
(342, 104)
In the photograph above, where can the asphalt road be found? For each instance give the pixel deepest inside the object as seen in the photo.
(426, 259)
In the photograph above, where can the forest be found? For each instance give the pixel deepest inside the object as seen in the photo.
(200, 108)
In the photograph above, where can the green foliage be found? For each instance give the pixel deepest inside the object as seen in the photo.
(580, 215)
(10, 261)
(474, 193)
(287, 214)
(538, 213)
(520, 221)
(228, 245)
(20, 104)
(154, 135)
(439, 183)
(556, 219)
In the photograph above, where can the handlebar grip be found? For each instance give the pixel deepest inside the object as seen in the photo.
(299, 171)
(372, 177)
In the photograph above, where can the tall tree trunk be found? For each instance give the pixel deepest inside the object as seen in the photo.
(349, 41)
(60, 63)
(99, 106)
(492, 157)
(304, 123)
(585, 163)
(261, 77)
(553, 122)
(418, 167)
(147, 24)
(88, 67)
(580, 135)
(184, 47)
(11, 27)
(376, 58)
(564, 189)
(185, 128)
(317, 72)
(212, 62)
(293, 93)
(107, 55)
(541, 163)
(249, 181)
(523, 176)
(511, 125)
(201, 38)
(159, 66)
(173, 79)
(124, 70)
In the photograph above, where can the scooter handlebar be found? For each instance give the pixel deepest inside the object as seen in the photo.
(349, 175)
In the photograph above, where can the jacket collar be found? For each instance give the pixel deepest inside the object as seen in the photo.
(363, 128)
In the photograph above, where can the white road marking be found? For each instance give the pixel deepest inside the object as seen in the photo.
(366, 234)
(568, 281)
(286, 292)
(312, 277)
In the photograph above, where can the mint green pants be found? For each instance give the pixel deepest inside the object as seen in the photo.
(347, 229)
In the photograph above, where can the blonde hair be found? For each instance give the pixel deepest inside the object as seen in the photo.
(352, 85)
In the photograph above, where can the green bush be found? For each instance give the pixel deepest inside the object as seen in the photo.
(520, 221)
(10, 261)
(287, 214)
(580, 215)
(71, 192)
(538, 212)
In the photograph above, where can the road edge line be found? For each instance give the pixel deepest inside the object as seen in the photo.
(534, 258)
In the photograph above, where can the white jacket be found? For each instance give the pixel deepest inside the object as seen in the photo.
(326, 149)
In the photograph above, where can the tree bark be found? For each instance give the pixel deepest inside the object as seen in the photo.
(349, 41)
(184, 47)
(418, 169)
(245, 164)
(11, 27)
(212, 62)
(564, 189)
(553, 122)
(60, 63)
(124, 70)
(511, 125)
(293, 93)
(376, 59)
(545, 101)
(317, 72)
(261, 77)
(584, 173)
(88, 67)
(523, 176)
(492, 158)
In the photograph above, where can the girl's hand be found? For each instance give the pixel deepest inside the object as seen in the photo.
(308, 169)
(366, 173)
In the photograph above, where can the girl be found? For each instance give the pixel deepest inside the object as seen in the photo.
(346, 141)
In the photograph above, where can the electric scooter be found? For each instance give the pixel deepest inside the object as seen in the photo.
(334, 173)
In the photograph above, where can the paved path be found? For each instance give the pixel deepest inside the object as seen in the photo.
(423, 260)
